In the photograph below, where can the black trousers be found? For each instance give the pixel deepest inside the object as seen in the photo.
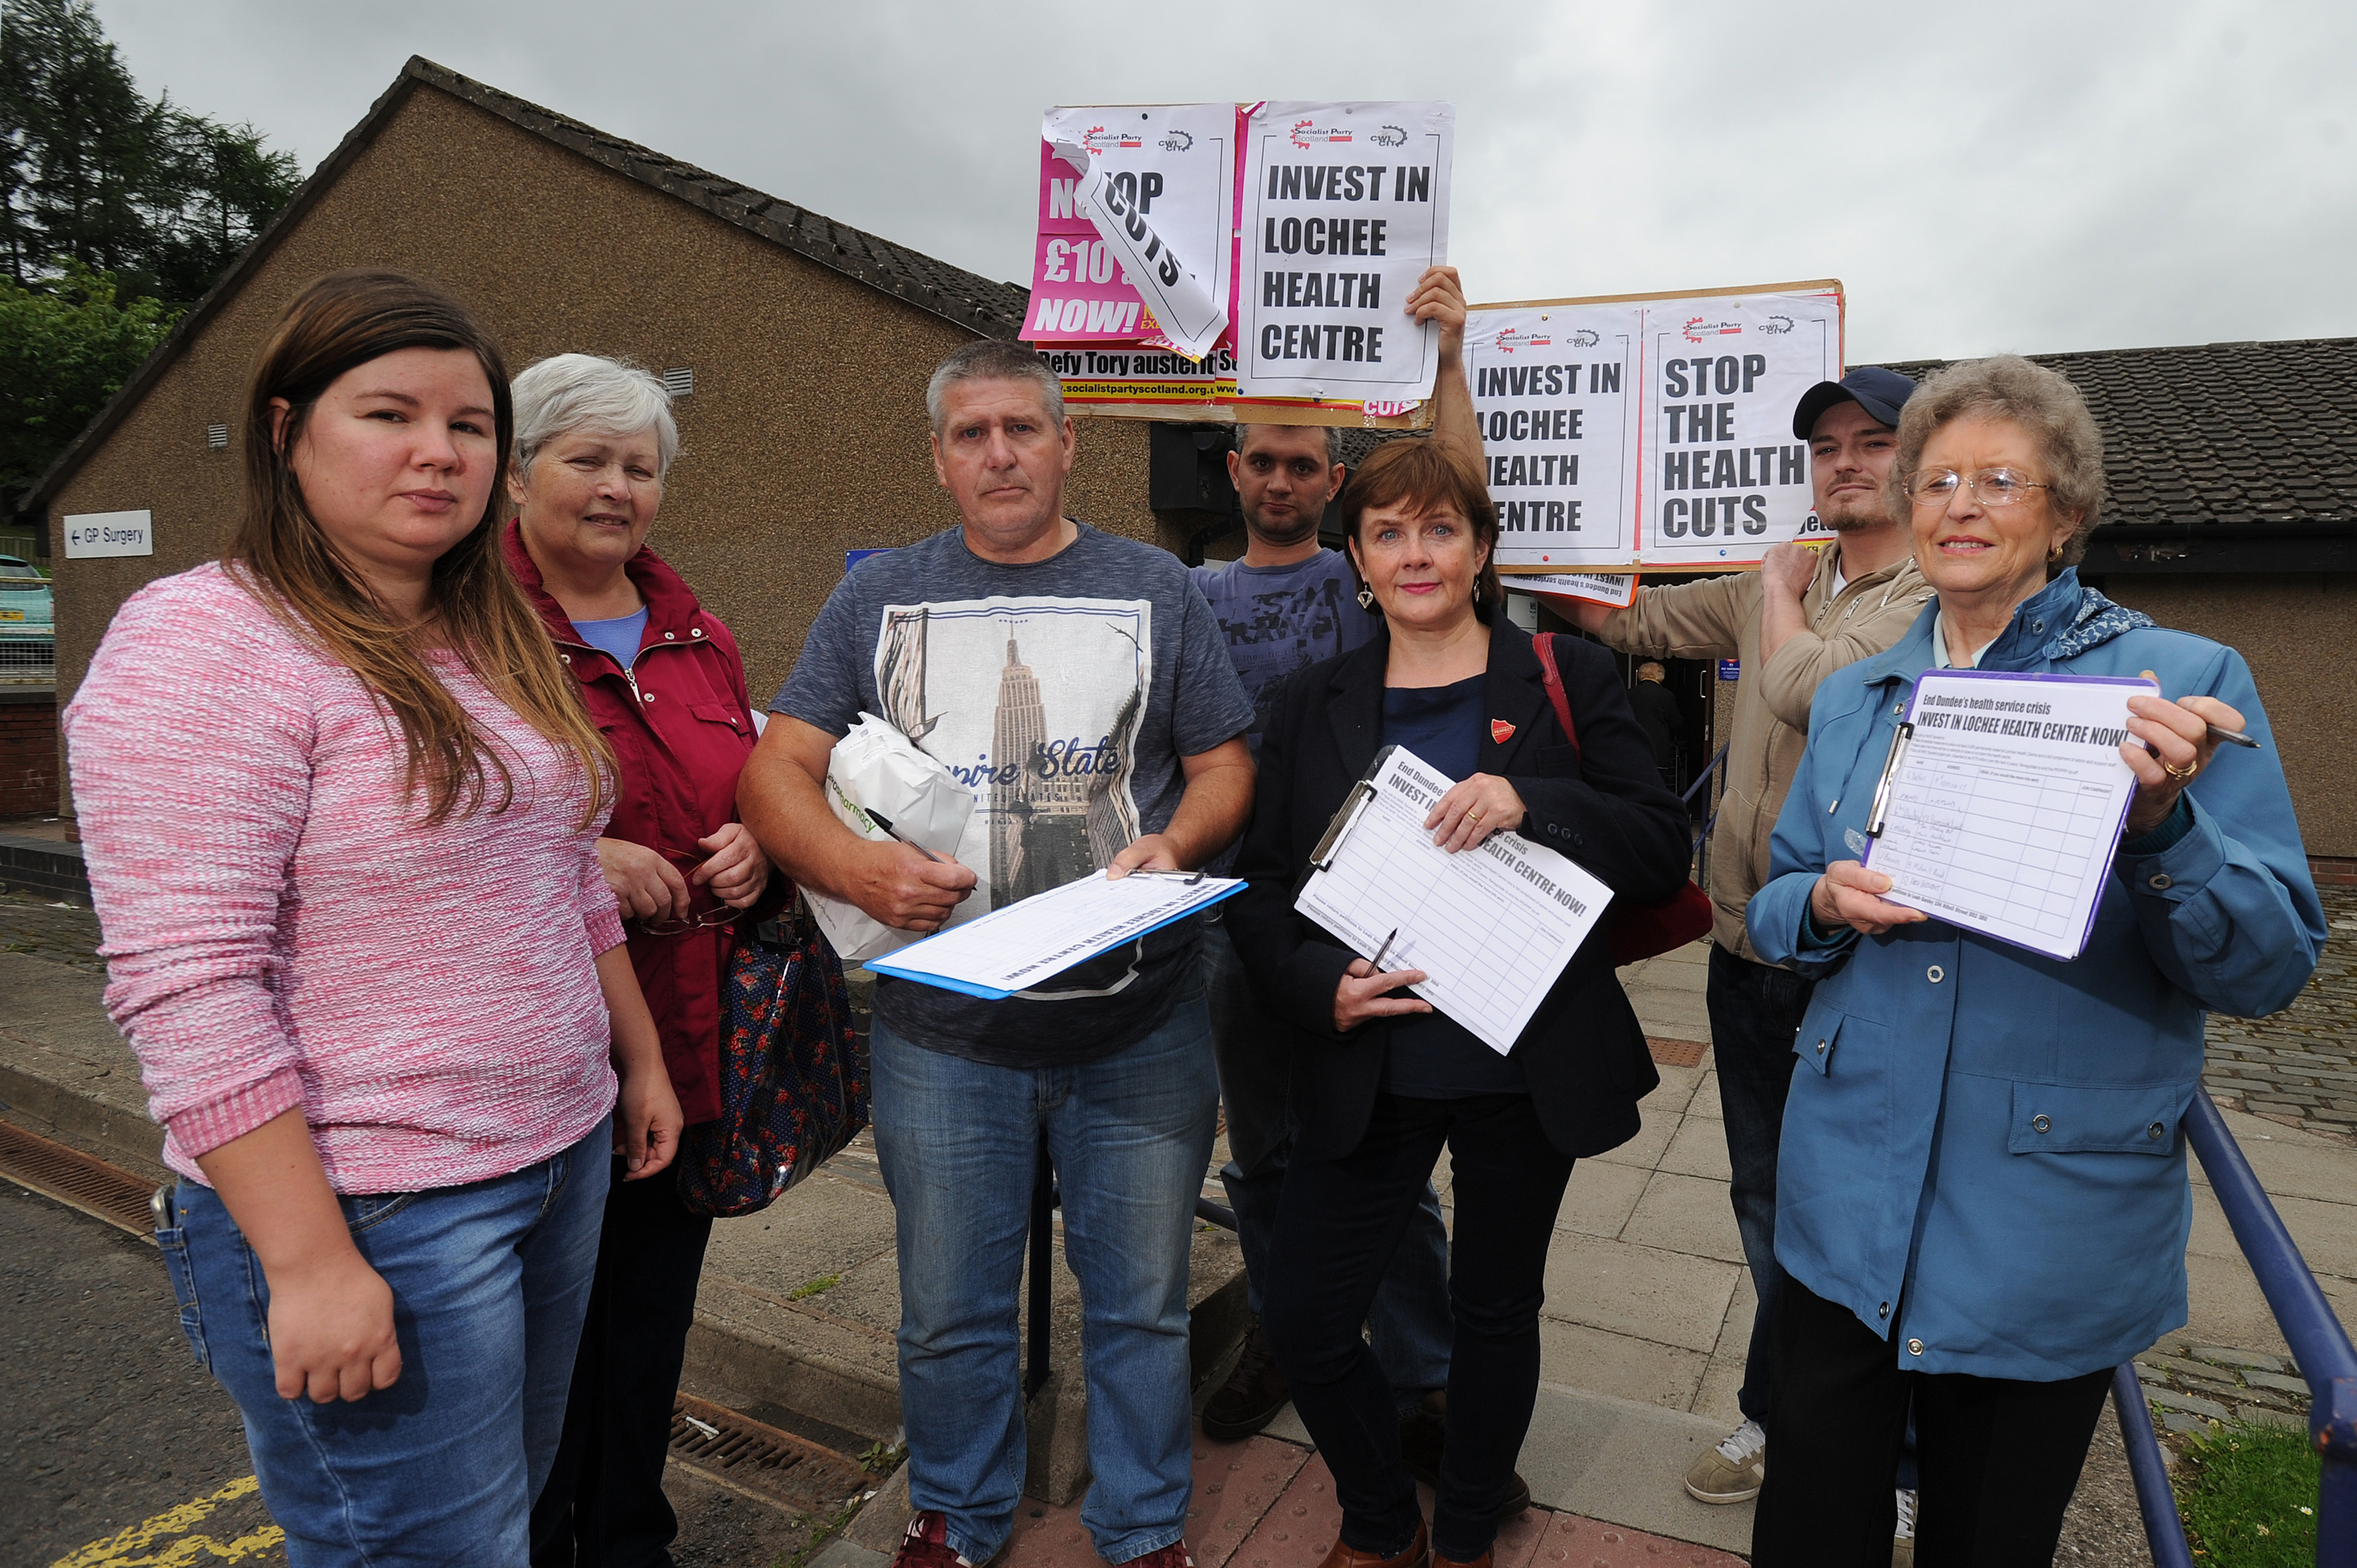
(1998, 1457)
(603, 1505)
(1338, 1224)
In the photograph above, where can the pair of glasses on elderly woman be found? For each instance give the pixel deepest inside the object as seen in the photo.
(1990, 487)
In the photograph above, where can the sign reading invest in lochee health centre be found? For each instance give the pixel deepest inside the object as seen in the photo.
(1164, 287)
(1650, 430)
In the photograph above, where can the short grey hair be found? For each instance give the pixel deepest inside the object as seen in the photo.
(993, 360)
(2040, 401)
(1243, 434)
(591, 393)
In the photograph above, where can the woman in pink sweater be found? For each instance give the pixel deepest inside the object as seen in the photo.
(339, 806)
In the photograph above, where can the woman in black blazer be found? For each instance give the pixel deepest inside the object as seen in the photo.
(1380, 1082)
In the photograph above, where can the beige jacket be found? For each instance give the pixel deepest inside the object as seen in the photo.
(1718, 618)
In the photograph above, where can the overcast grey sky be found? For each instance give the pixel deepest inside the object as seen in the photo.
(1988, 175)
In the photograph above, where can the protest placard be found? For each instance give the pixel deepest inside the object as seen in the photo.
(1135, 226)
(1344, 205)
(1617, 591)
(1652, 430)
(1556, 388)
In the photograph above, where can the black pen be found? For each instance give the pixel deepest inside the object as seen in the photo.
(1376, 963)
(2233, 736)
(881, 821)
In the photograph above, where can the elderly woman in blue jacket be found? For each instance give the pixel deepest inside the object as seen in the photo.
(1981, 1194)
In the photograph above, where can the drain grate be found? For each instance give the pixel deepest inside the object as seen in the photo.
(74, 1178)
(773, 1465)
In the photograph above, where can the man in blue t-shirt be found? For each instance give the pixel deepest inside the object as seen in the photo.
(1288, 604)
(1078, 685)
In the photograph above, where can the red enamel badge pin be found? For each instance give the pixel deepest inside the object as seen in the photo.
(1500, 731)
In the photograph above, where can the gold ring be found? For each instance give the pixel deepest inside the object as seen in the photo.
(2181, 774)
(1472, 816)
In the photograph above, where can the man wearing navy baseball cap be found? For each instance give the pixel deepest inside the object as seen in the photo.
(1804, 614)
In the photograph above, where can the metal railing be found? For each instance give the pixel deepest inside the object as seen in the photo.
(2319, 1344)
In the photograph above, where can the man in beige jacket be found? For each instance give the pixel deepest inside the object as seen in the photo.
(1804, 614)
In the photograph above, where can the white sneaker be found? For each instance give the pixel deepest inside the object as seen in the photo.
(1732, 1472)
(1902, 1539)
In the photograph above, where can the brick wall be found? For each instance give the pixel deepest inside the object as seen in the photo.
(28, 755)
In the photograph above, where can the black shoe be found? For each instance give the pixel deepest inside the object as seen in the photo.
(1250, 1397)
(1422, 1431)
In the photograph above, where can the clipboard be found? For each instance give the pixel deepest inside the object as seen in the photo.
(2001, 802)
(1493, 928)
(1012, 950)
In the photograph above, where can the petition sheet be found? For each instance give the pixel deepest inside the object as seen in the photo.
(1490, 928)
(1018, 946)
(2003, 803)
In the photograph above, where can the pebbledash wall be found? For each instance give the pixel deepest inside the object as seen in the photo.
(805, 435)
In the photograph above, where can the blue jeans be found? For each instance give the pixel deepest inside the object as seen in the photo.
(490, 1281)
(1409, 1325)
(1130, 1134)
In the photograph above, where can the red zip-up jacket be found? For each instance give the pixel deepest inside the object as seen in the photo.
(681, 724)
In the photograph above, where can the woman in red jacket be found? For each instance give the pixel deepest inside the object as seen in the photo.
(663, 681)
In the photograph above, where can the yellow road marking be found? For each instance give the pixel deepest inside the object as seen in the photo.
(127, 1548)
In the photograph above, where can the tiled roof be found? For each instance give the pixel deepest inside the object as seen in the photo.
(967, 299)
(2224, 433)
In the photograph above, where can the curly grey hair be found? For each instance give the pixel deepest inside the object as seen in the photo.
(993, 360)
(2040, 401)
(566, 393)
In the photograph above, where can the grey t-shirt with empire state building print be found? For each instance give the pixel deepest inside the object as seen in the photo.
(1064, 693)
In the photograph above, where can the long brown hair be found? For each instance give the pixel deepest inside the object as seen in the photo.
(340, 321)
(1425, 473)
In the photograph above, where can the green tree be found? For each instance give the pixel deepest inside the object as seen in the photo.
(96, 174)
(64, 349)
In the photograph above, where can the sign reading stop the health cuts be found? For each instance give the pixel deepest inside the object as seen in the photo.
(1555, 387)
(1344, 205)
(1135, 234)
(1652, 430)
(1725, 477)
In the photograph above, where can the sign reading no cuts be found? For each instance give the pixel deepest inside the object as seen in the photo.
(1650, 431)
(95, 534)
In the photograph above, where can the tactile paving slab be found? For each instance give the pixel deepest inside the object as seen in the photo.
(1571, 1541)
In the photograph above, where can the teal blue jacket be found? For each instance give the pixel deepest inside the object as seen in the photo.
(1981, 1155)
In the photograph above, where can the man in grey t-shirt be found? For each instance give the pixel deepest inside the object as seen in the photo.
(1078, 685)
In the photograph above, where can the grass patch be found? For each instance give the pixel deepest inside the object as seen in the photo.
(805, 1290)
(2250, 1500)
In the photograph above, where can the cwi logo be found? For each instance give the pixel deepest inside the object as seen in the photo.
(1585, 338)
(1389, 136)
(1307, 133)
(1177, 142)
(1777, 326)
(1096, 138)
(1697, 328)
(1509, 338)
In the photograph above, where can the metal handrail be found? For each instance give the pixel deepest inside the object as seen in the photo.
(2318, 1342)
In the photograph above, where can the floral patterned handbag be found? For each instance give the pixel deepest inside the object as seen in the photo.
(793, 1077)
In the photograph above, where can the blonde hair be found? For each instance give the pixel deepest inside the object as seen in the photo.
(339, 322)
